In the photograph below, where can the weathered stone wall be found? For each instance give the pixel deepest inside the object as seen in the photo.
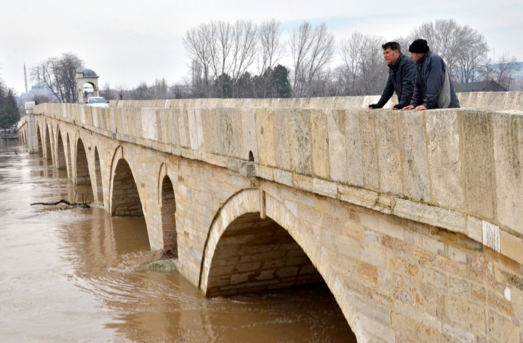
(447, 168)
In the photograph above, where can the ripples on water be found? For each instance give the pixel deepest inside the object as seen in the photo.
(74, 276)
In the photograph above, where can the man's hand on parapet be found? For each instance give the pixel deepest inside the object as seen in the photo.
(410, 107)
(420, 108)
(373, 106)
(398, 107)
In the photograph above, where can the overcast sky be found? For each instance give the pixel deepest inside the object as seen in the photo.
(129, 41)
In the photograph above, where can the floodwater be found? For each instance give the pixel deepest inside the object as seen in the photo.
(74, 276)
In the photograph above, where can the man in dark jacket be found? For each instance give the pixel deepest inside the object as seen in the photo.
(432, 82)
(401, 77)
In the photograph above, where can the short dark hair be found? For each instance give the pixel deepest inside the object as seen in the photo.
(391, 46)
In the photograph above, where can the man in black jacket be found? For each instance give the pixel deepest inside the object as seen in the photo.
(433, 82)
(401, 77)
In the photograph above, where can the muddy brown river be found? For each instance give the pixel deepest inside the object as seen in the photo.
(75, 276)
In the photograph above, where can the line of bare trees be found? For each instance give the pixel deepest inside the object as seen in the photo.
(220, 48)
(244, 59)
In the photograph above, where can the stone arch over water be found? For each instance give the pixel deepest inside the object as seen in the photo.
(98, 174)
(61, 160)
(247, 253)
(83, 178)
(168, 211)
(125, 196)
(48, 151)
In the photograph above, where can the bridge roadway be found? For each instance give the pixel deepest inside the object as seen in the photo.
(413, 220)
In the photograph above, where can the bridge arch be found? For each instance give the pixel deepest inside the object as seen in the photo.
(125, 197)
(39, 139)
(167, 202)
(61, 160)
(48, 151)
(83, 178)
(263, 231)
(98, 174)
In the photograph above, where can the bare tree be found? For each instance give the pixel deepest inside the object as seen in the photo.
(312, 50)
(461, 47)
(243, 49)
(58, 74)
(505, 70)
(271, 46)
(364, 68)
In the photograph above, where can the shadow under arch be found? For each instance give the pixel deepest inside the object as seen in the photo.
(61, 161)
(48, 153)
(125, 198)
(242, 253)
(98, 174)
(167, 202)
(83, 178)
(39, 141)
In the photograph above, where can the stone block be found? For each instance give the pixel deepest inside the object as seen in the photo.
(283, 177)
(320, 144)
(432, 215)
(369, 308)
(468, 315)
(459, 287)
(477, 156)
(337, 145)
(371, 177)
(425, 242)
(416, 184)
(326, 188)
(354, 150)
(444, 158)
(435, 278)
(511, 246)
(264, 172)
(303, 182)
(458, 334)
(456, 254)
(508, 157)
(250, 144)
(299, 126)
(502, 330)
(389, 159)
(265, 137)
(491, 236)
(281, 118)
(475, 229)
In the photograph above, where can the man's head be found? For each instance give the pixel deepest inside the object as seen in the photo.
(391, 52)
(418, 49)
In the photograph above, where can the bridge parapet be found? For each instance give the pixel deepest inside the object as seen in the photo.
(458, 169)
(487, 100)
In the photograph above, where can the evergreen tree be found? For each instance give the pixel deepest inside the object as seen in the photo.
(9, 114)
(280, 82)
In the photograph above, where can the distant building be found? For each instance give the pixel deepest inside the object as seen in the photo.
(483, 86)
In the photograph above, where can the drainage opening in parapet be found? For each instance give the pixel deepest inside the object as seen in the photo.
(84, 189)
(251, 156)
(259, 257)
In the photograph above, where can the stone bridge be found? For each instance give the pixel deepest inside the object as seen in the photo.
(414, 220)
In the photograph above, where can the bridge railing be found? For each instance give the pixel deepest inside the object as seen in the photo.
(458, 169)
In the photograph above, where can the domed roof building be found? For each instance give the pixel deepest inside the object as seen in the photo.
(86, 76)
